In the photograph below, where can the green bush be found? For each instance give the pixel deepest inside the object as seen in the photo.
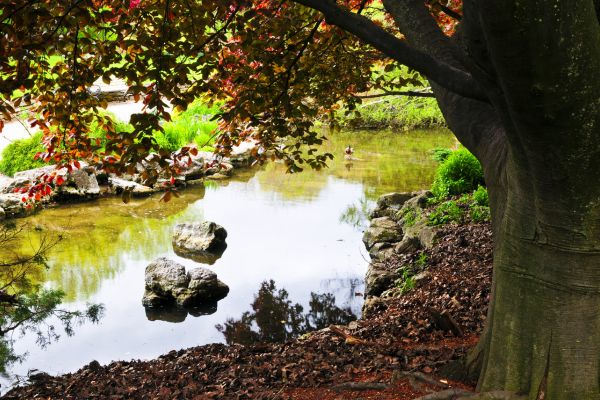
(398, 113)
(20, 155)
(409, 217)
(480, 196)
(459, 173)
(191, 126)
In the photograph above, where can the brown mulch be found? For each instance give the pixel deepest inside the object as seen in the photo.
(330, 364)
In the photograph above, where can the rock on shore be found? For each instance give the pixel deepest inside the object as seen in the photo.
(398, 226)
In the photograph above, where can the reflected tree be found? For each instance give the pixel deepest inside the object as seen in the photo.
(26, 306)
(275, 318)
(357, 214)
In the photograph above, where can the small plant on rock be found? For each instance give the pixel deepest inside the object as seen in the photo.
(445, 213)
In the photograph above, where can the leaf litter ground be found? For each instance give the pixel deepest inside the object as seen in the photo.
(400, 351)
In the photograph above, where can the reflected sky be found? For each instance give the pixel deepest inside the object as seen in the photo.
(289, 228)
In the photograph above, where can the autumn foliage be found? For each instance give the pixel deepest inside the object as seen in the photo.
(278, 66)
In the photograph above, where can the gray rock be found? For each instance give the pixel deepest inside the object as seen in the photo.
(79, 184)
(5, 182)
(371, 306)
(137, 190)
(217, 177)
(394, 199)
(203, 287)
(377, 280)
(381, 230)
(389, 204)
(25, 178)
(408, 245)
(195, 171)
(203, 242)
(418, 200)
(165, 277)
(428, 236)
(381, 251)
(241, 155)
(168, 283)
(12, 205)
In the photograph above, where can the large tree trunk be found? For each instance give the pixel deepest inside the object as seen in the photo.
(542, 337)
(544, 323)
(536, 132)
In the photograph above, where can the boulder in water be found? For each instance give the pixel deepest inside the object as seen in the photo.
(203, 242)
(167, 283)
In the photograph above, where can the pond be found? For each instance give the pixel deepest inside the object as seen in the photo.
(301, 231)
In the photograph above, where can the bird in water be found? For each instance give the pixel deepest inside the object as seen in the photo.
(348, 153)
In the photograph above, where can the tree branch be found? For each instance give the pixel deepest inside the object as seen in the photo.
(422, 32)
(397, 93)
(448, 76)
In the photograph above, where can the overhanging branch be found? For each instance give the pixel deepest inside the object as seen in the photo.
(453, 79)
(409, 93)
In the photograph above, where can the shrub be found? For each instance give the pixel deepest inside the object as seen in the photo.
(406, 282)
(480, 196)
(459, 173)
(20, 155)
(479, 213)
(97, 132)
(397, 113)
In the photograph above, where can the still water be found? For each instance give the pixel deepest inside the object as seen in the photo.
(302, 231)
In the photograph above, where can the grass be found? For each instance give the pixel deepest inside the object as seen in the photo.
(192, 126)
(471, 206)
(397, 113)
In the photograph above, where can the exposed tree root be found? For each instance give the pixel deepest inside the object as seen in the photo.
(449, 394)
(361, 386)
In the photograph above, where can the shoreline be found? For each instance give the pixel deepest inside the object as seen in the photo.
(397, 336)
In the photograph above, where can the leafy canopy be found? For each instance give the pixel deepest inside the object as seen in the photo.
(275, 65)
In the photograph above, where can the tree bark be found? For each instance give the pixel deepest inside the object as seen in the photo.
(537, 134)
(544, 320)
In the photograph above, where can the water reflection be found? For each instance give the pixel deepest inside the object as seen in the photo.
(357, 214)
(274, 318)
(284, 227)
(383, 162)
(98, 235)
(179, 314)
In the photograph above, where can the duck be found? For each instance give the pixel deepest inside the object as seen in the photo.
(348, 152)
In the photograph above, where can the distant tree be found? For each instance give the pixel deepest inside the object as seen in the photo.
(516, 83)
